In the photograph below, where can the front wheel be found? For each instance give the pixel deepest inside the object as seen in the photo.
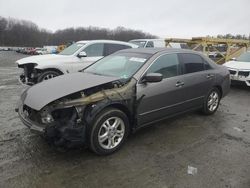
(47, 75)
(211, 102)
(109, 131)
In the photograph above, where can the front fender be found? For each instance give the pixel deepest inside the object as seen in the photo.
(91, 111)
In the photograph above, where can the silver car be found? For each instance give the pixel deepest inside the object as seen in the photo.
(119, 94)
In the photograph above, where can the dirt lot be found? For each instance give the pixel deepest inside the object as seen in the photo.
(157, 156)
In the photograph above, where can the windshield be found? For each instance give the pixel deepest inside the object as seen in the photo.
(122, 65)
(72, 49)
(245, 57)
(141, 44)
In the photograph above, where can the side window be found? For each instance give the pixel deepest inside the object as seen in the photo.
(192, 63)
(94, 50)
(112, 48)
(167, 65)
(150, 44)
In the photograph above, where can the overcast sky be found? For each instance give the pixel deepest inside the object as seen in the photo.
(176, 18)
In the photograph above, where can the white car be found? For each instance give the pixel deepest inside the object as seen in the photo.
(72, 59)
(41, 51)
(239, 68)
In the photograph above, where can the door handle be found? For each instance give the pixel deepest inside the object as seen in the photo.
(209, 76)
(179, 84)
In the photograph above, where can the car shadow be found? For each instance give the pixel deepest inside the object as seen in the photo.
(239, 86)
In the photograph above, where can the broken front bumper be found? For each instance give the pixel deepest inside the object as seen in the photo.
(33, 126)
(62, 133)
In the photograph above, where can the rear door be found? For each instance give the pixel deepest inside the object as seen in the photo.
(198, 78)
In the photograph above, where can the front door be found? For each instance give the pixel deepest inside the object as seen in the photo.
(94, 52)
(161, 99)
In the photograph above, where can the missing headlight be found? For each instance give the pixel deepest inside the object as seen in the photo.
(47, 119)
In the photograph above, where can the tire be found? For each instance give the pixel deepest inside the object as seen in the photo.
(104, 124)
(47, 75)
(211, 102)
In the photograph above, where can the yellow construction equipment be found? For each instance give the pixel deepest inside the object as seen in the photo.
(233, 47)
(60, 48)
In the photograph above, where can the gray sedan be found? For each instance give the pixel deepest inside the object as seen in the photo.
(100, 106)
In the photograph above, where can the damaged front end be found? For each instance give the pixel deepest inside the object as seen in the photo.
(66, 120)
(29, 75)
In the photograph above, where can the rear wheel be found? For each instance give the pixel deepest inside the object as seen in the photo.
(211, 102)
(109, 131)
(47, 75)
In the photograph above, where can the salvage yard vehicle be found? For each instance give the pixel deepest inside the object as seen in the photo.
(157, 43)
(119, 94)
(239, 68)
(149, 43)
(41, 51)
(72, 59)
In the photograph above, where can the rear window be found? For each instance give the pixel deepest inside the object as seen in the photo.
(192, 63)
(112, 48)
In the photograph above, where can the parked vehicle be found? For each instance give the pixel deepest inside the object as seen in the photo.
(18, 50)
(6, 49)
(239, 68)
(51, 49)
(121, 93)
(72, 59)
(41, 51)
(157, 43)
(22, 50)
(149, 43)
(28, 50)
(31, 51)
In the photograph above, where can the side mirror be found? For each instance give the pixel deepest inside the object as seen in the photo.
(233, 59)
(152, 77)
(82, 54)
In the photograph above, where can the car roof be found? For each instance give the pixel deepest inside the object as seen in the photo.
(107, 41)
(156, 50)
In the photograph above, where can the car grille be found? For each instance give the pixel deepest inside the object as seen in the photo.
(243, 73)
(232, 72)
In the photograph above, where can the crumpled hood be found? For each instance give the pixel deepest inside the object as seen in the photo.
(237, 65)
(39, 59)
(48, 91)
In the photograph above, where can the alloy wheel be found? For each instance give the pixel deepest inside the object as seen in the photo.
(111, 133)
(213, 101)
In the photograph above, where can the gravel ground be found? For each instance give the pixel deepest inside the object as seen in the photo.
(157, 156)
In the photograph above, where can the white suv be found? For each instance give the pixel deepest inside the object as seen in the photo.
(72, 59)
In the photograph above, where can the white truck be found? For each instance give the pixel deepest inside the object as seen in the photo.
(157, 43)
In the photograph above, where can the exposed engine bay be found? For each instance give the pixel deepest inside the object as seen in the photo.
(64, 121)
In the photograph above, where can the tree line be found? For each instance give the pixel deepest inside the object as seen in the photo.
(230, 36)
(15, 32)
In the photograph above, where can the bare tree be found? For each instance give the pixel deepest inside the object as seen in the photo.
(14, 32)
